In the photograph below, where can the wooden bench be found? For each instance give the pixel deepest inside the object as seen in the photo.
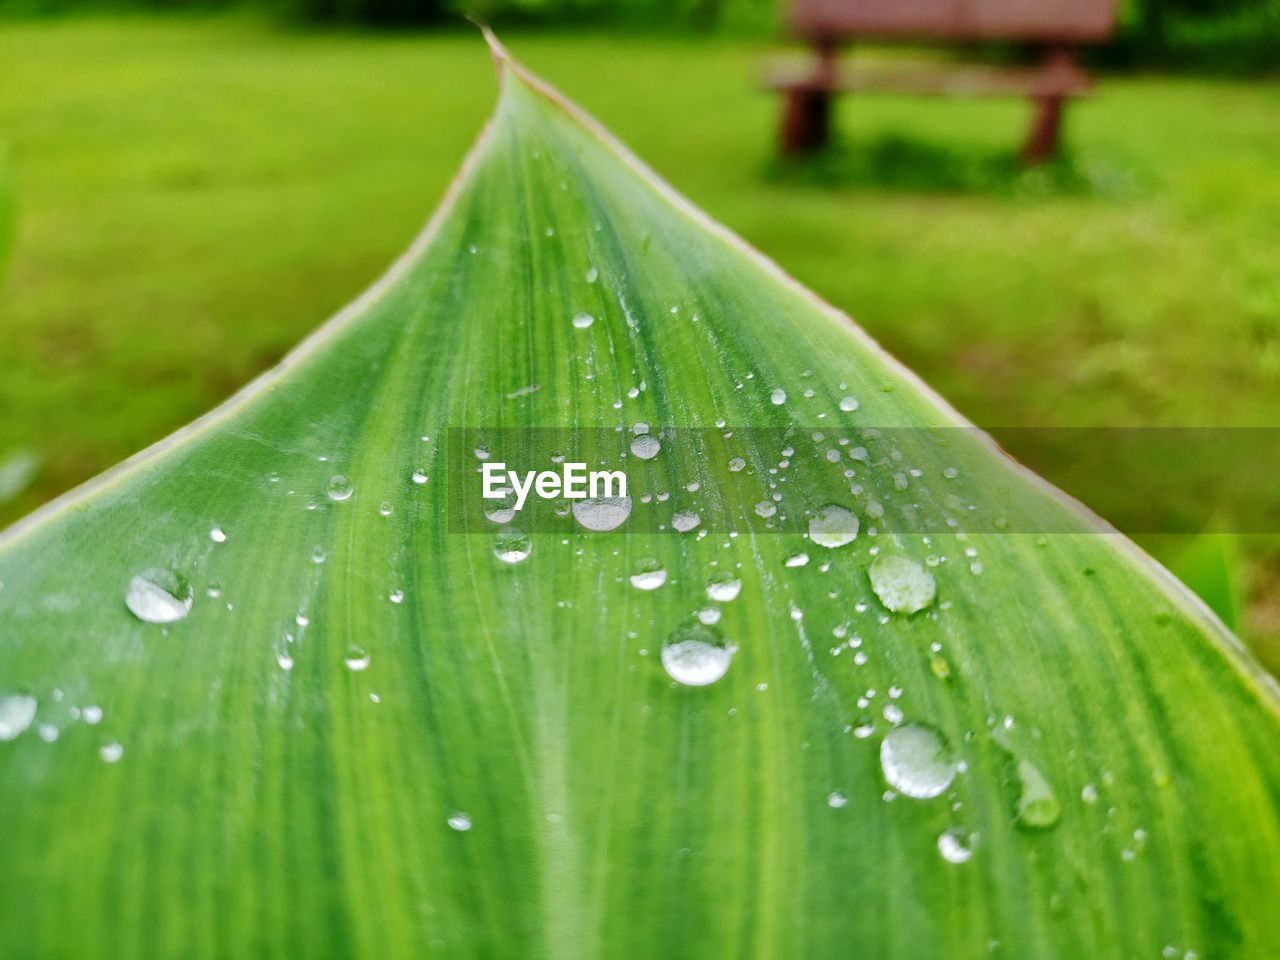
(1054, 26)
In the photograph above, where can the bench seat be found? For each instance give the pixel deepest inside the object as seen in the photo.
(811, 75)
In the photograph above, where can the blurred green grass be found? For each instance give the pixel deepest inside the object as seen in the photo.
(194, 195)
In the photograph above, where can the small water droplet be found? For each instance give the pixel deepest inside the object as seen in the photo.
(955, 845)
(1038, 805)
(848, 404)
(836, 799)
(419, 477)
(709, 615)
(583, 320)
(696, 656)
(902, 585)
(385, 508)
(602, 513)
(396, 596)
(159, 596)
(512, 545)
(111, 752)
(645, 447)
(1089, 793)
(356, 658)
(17, 710)
(339, 487)
(766, 508)
(649, 575)
(218, 535)
(459, 821)
(285, 661)
(318, 555)
(592, 275)
(724, 587)
(778, 397)
(833, 526)
(917, 761)
(797, 560)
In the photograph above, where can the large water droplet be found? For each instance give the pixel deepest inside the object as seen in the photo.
(512, 545)
(848, 404)
(649, 575)
(778, 397)
(955, 845)
(646, 447)
(356, 658)
(339, 487)
(602, 513)
(17, 710)
(917, 761)
(696, 656)
(159, 596)
(1038, 805)
(833, 526)
(583, 320)
(503, 509)
(685, 520)
(902, 585)
(724, 588)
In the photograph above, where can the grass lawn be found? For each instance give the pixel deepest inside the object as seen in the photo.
(192, 196)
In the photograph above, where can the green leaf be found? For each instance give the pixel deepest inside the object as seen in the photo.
(1024, 739)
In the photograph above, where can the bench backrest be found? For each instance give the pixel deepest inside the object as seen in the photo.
(1042, 20)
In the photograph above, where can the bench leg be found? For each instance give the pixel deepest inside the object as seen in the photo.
(1046, 129)
(806, 121)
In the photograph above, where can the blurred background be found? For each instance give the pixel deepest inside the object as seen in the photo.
(187, 188)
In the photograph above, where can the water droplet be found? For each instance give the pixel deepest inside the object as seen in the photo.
(836, 799)
(512, 545)
(724, 588)
(419, 477)
(1038, 805)
(583, 320)
(645, 447)
(798, 560)
(285, 661)
(159, 596)
(218, 535)
(649, 575)
(459, 821)
(385, 508)
(602, 513)
(685, 520)
(917, 761)
(111, 752)
(736, 464)
(848, 404)
(503, 509)
(955, 845)
(709, 615)
(592, 275)
(91, 715)
(833, 526)
(17, 710)
(766, 508)
(778, 397)
(339, 487)
(396, 596)
(357, 658)
(902, 585)
(318, 555)
(696, 656)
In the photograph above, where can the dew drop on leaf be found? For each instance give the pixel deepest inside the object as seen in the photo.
(724, 588)
(339, 488)
(848, 404)
(696, 656)
(158, 596)
(833, 526)
(645, 447)
(902, 585)
(111, 752)
(685, 520)
(955, 845)
(583, 320)
(218, 535)
(917, 760)
(512, 545)
(1038, 806)
(602, 513)
(17, 710)
(778, 397)
(649, 575)
(459, 821)
(357, 658)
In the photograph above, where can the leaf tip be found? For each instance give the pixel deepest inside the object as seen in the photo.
(501, 58)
